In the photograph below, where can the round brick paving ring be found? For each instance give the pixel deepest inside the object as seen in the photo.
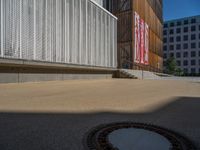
(135, 136)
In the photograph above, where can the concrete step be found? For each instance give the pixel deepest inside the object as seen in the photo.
(140, 74)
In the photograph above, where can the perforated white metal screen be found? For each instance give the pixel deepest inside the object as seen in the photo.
(66, 31)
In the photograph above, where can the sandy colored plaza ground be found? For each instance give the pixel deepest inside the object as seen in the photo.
(57, 115)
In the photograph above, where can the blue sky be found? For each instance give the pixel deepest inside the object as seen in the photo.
(174, 9)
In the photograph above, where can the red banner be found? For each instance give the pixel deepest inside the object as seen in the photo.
(142, 38)
(141, 52)
(137, 39)
(146, 49)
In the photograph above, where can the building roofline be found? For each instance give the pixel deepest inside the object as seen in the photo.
(167, 21)
(106, 11)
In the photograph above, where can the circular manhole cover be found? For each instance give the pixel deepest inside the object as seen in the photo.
(135, 136)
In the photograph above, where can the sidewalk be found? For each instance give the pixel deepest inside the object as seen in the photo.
(57, 115)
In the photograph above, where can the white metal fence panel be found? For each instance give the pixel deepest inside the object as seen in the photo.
(64, 31)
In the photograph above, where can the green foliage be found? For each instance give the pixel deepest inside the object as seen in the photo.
(179, 72)
(171, 65)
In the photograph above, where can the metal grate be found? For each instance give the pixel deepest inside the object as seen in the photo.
(64, 31)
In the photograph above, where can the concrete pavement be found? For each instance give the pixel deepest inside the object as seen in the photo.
(58, 115)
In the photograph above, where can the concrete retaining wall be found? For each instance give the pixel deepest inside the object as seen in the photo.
(16, 71)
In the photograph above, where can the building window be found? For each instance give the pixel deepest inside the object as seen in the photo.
(171, 47)
(199, 53)
(185, 54)
(185, 38)
(165, 40)
(199, 44)
(193, 21)
(193, 54)
(193, 62)
(171, 54)
(199, 27)
(171, 31)
(165, 48)
(178, 30)
(178, 23)
(171, 39)
(178, 62)
(185, 29)
(171, 24)
(178, 46)
(165, 25)
(193, 37)
(178, 39)
(165, 55)
(193, 45)
(178, 55)
(185, 70)
(193, 28)
(165, 32)
(185, 63)
(185, 22)
(199, 36)
(193, 70)
(185, 46)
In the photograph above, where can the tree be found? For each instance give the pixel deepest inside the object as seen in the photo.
(179, 72)
(171, 65)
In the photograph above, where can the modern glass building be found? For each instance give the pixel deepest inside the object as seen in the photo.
(59, 31)
(182, 41)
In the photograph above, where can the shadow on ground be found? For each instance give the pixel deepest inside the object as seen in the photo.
(49, 131)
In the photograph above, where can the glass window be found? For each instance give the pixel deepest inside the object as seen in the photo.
(178, 46)
(171, 47)
(165, 32)
(193, 28)
(178, 62)
(193, 45)
(171, 31)
(178, 55)
(193, 62)
(185, 63)
(165, 40)
(193, 20)
(185, 70)
(185, 54)
(193, 37)
(185, 29)
(193, 70)
(185, 38)
(178, 38)
(171, 39)
(165, 48)
(185, 46)
(178, 23)
(165, 25)
(171, 54)
(171, 24)
(165, 55)
(185, 21)
(178, 30)
(193, 54)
